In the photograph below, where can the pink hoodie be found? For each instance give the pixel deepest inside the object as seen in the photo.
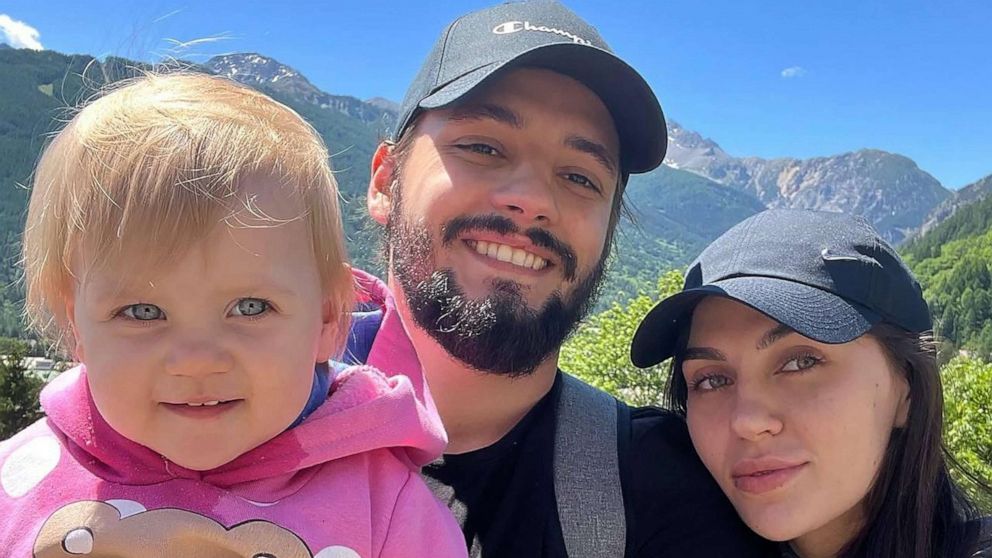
(345, 483)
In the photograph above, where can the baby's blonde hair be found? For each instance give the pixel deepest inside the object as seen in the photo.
(153, 165)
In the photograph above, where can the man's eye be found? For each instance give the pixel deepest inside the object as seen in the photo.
(581, 180)
(250, 307)
(480, 148)
(143, 312)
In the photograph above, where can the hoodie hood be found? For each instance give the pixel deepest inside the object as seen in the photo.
(391, 351)
(366, 411)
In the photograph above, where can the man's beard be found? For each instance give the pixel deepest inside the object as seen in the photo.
(498, 333)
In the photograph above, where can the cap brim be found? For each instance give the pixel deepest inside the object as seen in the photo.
(811, 312)
(632, 104)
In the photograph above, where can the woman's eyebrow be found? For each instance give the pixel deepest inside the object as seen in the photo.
(773, 335)
(768, 339)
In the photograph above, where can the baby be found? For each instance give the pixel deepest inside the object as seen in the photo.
(184, 241)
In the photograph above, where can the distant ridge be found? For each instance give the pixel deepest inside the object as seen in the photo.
(888, 189)
(968, 195)
(384, 104)
(257, 70)
(679, 207)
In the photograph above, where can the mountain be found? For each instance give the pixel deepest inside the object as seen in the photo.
(888, 189)
(677, 209)
(953, 262)
(384, 104)
(4, 46)
(36, 87)
(969, 194)
(687, 150)
(677, 212)
(256, 70)
(674, 214)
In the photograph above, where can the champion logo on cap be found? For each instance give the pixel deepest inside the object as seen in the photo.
(508, 27)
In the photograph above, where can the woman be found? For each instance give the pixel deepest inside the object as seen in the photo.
(805, 369)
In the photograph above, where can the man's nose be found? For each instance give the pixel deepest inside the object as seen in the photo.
(528, 197)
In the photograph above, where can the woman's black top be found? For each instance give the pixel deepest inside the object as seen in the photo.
(982, 548)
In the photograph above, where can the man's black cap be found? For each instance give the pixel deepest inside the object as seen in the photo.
(828, 276)
(541, 34)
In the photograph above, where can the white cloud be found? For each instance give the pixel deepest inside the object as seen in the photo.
(19, 34)
(793, 72)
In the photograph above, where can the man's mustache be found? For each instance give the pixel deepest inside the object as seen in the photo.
(503, 225)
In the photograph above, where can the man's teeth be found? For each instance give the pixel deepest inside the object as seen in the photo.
(516, 256)
(205, 403)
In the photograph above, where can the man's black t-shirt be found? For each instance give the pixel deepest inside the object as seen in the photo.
(503, 495)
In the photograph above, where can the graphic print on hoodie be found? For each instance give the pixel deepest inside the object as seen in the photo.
(343, 484)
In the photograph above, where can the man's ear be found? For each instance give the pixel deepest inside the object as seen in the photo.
(380, 184)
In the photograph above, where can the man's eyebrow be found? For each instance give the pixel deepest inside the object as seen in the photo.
(486, 111)
(773, 335)
(596, 149)
(702, 353)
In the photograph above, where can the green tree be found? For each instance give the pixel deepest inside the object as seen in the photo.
(19, 389)
(968, 423)
(599, 352)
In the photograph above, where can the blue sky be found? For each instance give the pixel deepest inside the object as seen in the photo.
(768, 78)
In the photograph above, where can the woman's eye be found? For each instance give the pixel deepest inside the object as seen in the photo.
(800, 363)
(710, 383)
(250, 307)
(143, 312)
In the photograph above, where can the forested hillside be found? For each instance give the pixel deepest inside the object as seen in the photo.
(674, 215)
(35, 90)
(954, 264)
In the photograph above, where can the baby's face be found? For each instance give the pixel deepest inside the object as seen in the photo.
(214, 355)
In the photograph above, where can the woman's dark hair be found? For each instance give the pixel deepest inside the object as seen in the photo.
(913, 508)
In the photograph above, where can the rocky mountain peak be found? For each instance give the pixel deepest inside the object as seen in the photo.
(888, 189)
(688, 150)
(384, 104)
(971, 193)
(252, 68)
(256, 70)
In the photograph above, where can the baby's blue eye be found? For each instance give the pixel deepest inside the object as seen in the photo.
(250, 307)
(143, 312)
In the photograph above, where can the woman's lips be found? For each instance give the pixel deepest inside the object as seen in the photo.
(758, 478)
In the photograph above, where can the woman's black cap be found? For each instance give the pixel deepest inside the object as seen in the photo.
(828, 276)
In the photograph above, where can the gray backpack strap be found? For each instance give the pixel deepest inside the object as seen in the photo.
(587, 472)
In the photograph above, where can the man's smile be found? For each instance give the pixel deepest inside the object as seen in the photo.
(508, 254)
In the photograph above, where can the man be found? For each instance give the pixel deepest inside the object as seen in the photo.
(499, 196)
